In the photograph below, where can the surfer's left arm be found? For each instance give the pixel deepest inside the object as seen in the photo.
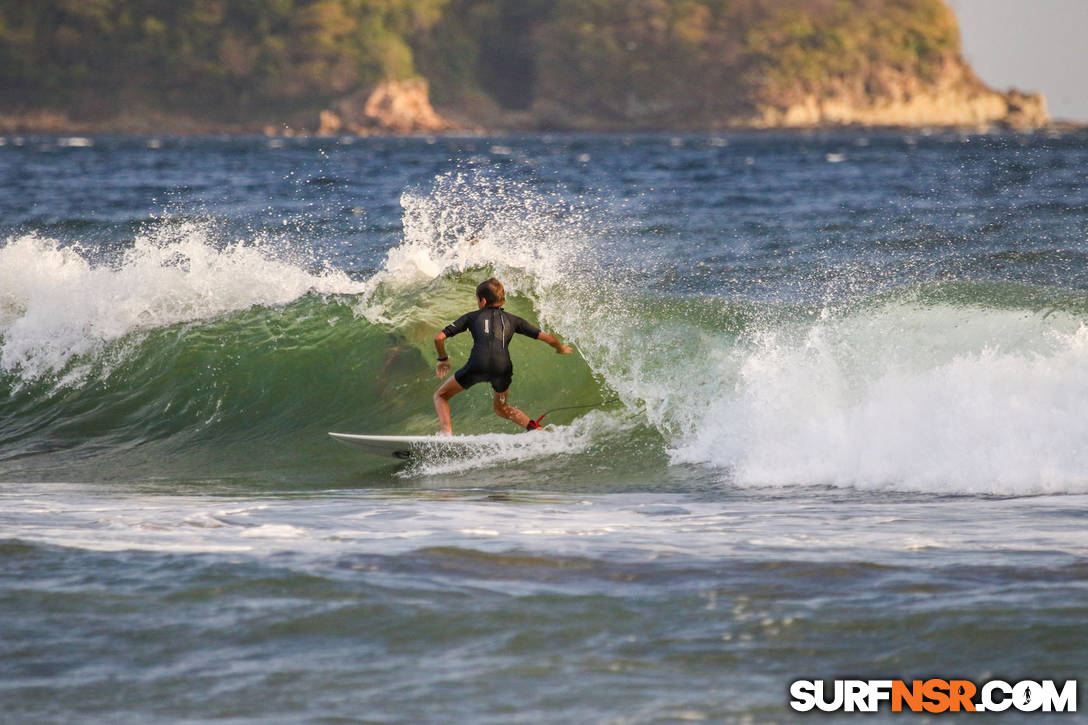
(559, 347)
(528, 329)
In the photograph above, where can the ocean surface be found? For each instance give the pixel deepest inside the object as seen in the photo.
(834, 424)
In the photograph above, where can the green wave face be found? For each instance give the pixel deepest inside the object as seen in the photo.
(259, 389)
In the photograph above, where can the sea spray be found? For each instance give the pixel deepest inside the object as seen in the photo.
(537, 243)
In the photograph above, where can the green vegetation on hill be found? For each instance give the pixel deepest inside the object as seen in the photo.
(626, 60)
(623, 62)
(230, 58)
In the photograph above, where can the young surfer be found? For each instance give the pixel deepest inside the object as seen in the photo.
(492, 328)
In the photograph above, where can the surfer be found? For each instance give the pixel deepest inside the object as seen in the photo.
(492, 328)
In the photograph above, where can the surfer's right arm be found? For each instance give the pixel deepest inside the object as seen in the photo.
(459, 326)
(443, 366)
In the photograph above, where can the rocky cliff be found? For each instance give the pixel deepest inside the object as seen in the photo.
(388, 107)
(953, 98)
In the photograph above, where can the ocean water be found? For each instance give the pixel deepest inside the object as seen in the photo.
(833, 426)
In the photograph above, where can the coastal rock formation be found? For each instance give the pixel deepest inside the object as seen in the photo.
(389, 107)
(989, 108)
(955, 97)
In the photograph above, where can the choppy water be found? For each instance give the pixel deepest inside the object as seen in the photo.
(841, 433)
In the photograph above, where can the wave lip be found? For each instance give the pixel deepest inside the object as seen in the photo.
(57, 304)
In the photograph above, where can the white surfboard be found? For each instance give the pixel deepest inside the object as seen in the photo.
(404, 447)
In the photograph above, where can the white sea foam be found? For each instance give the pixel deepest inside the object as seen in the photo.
(617, 527)
(503, 449)
(75, 142)
(938, 399)
(57, 304)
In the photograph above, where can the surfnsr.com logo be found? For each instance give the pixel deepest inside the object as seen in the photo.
(933, 696)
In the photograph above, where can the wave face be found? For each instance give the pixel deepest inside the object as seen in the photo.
(189, 356)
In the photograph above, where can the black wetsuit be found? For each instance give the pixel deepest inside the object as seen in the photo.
(492, 329)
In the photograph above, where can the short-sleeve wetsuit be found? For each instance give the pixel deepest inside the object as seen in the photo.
(492, 329)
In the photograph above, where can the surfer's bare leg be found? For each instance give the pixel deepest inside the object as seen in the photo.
(442, 397)
(503, 410)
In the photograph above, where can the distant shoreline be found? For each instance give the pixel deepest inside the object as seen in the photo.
(33, 124)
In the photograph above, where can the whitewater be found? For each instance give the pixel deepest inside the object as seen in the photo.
(833, 423)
